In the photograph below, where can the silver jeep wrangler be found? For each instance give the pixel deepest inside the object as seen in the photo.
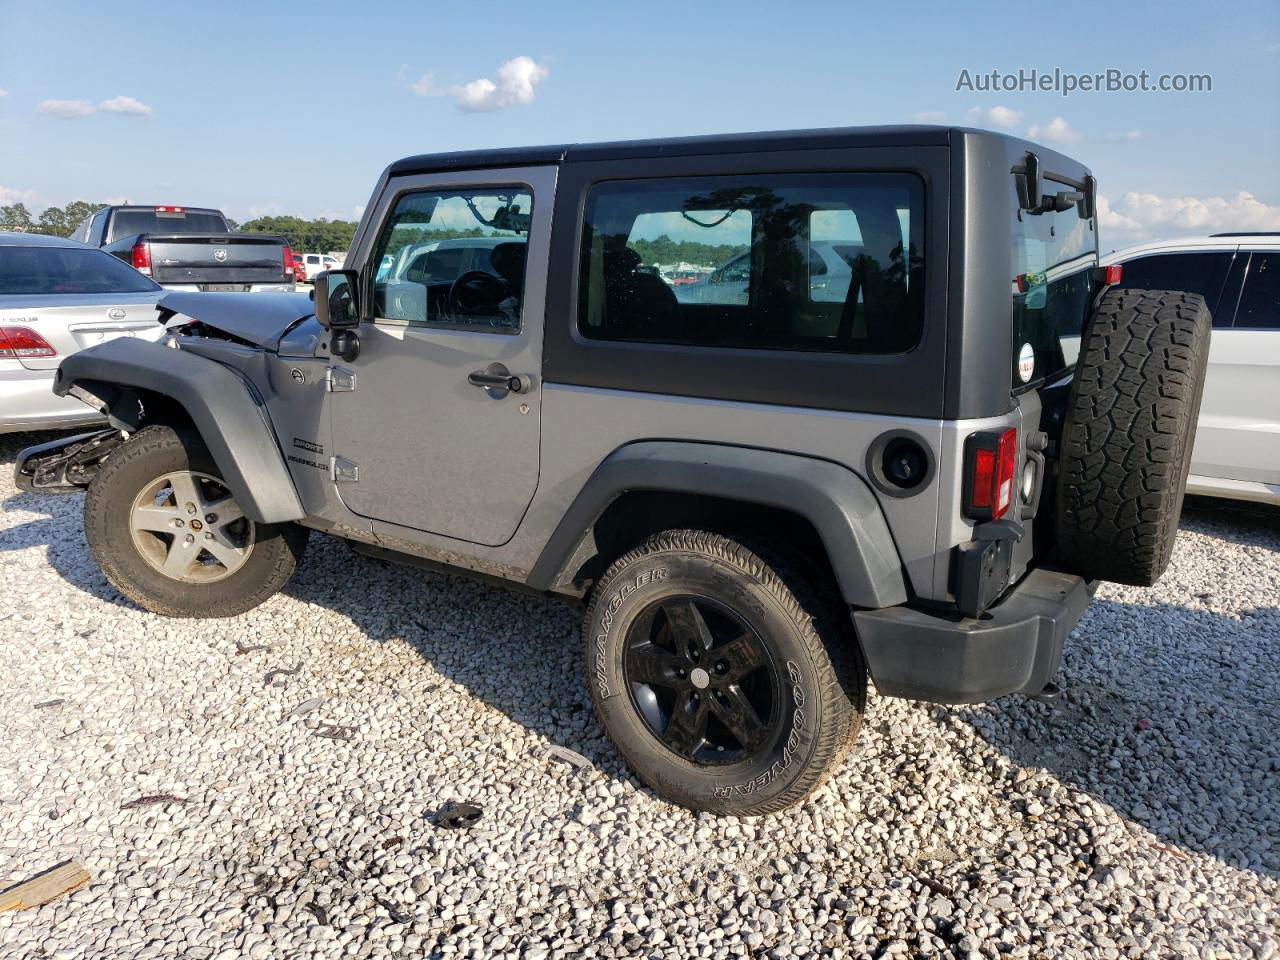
(782, 410)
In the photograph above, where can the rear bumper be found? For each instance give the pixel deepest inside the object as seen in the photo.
(1015, 647)
(283, 287)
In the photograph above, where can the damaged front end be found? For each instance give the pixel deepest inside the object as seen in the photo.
(66, 465)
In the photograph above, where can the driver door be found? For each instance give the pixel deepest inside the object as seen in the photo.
(439, 429)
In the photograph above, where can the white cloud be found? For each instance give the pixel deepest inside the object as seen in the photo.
(66, 109)
(10, 195)
(272, 209)
(117, 201)
(126, 105)
(3, 93)
(1129, 136)
(514, 86)
(929, 116)
(1003, 117)
(1056, 131)
(1147, 216)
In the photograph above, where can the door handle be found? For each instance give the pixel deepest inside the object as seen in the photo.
(499, 381)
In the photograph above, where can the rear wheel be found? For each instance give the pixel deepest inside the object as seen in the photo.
(169, 535)
(1128, 433)
(714, 672)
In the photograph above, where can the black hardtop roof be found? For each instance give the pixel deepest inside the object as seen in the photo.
(825, 138)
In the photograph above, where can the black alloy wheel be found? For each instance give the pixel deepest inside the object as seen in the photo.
(702, 680)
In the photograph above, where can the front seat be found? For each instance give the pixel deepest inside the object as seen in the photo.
(637, 304)
(507, 260)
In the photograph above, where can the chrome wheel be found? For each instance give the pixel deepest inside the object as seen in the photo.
(188, 527)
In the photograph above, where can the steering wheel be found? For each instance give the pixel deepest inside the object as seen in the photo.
(477, 296)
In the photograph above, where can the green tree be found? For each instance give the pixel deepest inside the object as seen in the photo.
(310, 236)
(16, 218)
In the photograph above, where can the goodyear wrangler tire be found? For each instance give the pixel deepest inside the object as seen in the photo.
(169, 535)
(714, 671)
(1128, 433)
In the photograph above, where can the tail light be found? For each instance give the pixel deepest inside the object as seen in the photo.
(990, 459)
(289, 271)
(140, 257)
(21, 343)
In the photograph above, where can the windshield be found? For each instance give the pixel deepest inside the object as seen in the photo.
(129, 223)
(41, 270)
(1051, 287)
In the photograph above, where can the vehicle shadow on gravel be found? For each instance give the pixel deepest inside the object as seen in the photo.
(516, 652)
(1171, 716)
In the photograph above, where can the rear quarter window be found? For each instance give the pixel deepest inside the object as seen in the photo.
(824, 262)
(1259, 307)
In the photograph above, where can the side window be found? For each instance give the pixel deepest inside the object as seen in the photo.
(454, 257)
(1202, 273)
(828, 262)
(95, 228)
(1259, 307)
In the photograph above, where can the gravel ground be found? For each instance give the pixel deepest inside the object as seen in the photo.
(1140, 817)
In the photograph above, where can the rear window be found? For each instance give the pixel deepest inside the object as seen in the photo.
(43, 270)
(128, 223)
(830, 262)
(1051, 257)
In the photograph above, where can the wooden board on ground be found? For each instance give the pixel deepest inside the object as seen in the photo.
(66, 877)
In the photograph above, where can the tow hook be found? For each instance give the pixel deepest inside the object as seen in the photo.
(1050, 694)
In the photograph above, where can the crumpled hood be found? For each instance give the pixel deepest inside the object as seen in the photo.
(260, 318)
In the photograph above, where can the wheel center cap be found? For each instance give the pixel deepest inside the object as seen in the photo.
(699, 678)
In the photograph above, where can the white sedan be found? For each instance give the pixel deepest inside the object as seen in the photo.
(56, 297)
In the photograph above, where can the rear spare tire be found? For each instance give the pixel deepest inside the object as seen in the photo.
(1128, 432)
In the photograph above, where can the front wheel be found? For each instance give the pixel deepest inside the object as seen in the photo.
(169, 535)
(714, 671)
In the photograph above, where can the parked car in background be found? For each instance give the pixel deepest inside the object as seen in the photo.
(830, 270)
(191, 248)
(56, 297)
(314, 263)
(1237, 446)
(299, 269)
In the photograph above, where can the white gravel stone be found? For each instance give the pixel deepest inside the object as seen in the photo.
(1139, 816)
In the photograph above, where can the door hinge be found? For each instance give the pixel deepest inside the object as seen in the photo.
(341, 469)
(340, 379)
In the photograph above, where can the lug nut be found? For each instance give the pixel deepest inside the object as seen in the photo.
(208, 536)
(191, 508)
(190, 538)
(722, 667)
(210, 518)
(179, 523)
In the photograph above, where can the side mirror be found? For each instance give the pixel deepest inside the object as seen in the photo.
(337, 299)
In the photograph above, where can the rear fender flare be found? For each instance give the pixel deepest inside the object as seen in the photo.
(835, 500)
(228, 414)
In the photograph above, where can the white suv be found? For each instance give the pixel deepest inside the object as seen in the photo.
(1237, 447)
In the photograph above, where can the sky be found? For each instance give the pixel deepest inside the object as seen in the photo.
(273, 108)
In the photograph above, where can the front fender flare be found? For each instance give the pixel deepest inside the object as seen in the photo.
(835, 500)
(228, 414)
